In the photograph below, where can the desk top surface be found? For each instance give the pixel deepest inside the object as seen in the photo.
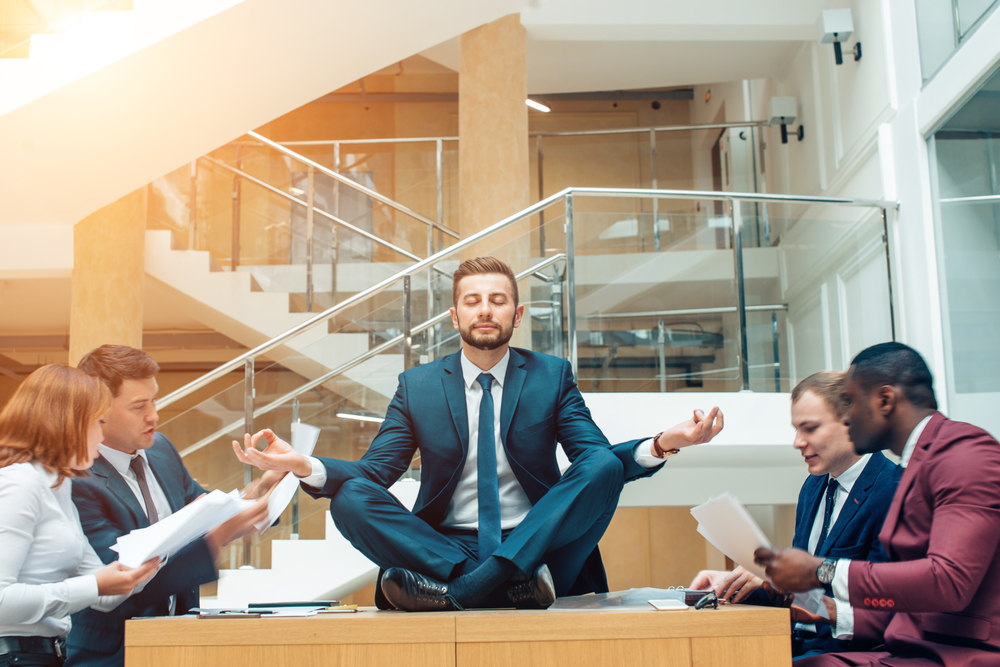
(370, 626)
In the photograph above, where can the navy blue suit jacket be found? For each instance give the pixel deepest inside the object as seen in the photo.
(108, 509)
(541, 406)
(855, 533)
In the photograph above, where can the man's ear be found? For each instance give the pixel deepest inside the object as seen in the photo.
(454, 317)
(887, 397)
(518, 314)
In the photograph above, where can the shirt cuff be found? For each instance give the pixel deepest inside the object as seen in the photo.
(840, 579)
(317, 480)
(81, 592)
(643, 454)
(844, 627)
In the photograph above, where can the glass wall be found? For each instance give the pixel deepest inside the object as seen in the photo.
(942, 26)
(965, 153)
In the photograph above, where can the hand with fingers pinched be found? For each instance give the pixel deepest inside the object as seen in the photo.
(278, 455)
(698, 430)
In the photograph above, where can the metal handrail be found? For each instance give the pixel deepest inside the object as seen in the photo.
(528, 212)
(356, 186)
(577, 133)
(364, 295)
(684, 311)
(360, 359)
(325, 214)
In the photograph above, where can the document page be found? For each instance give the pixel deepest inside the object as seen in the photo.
(304, 439)
(725, 523)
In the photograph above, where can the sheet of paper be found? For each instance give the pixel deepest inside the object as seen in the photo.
(304, 439)
(812, 601)
(168, 536)
(725, 523)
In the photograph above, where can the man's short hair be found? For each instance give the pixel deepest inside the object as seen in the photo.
(114, 364)
(897, 365)
(829, 386)
(482, 266)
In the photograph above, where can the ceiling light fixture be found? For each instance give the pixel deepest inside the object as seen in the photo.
(360, 418)
(537, 106)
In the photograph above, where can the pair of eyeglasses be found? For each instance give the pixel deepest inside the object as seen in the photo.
(707, 600)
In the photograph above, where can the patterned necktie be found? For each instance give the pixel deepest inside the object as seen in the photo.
(489, 495)
(831, 490)
(140, 474)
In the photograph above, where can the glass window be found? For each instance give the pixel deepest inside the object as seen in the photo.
(966, 151)
(942, 26)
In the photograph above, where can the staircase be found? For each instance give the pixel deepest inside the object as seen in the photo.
(124, 97)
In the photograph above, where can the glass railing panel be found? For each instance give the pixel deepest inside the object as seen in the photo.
(823, 288)
(655, 321)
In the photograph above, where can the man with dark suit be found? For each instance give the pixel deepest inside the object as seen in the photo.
(494, 523)
(139, 478)
(938, 599)
(840, 510)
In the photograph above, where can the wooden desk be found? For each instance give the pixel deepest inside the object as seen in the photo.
(735, 636)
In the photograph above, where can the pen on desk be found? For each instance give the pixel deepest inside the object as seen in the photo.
(340, 606)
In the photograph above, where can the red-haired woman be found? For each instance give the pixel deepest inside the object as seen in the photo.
(49, 431)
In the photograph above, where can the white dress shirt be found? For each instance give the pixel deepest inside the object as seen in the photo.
(845, 613)
(47, 565)
(463, 510)
(841, 590)
(121, 462)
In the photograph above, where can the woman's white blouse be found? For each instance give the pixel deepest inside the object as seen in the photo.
(47, 565)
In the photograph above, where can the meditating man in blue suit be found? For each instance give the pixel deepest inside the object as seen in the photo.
(840, 512)
(494, 523)
(138, 479)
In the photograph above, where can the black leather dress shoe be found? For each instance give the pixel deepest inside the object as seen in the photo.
(538, 592)
(411, 591)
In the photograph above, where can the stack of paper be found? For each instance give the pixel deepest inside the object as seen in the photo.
(304, 439)
(168, 536)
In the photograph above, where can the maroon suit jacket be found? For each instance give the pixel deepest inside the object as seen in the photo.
(939, 596)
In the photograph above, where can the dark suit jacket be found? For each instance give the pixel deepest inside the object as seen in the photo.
(108, 509)
(541, 405)
(855, 533)
(939, 597)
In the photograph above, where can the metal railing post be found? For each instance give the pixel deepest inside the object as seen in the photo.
(334, 231)
(741, 311)
(235, 260)
(541, 196)
(407, 335)
(295, 497)
(571, 285)
(888, 272)
(661, 354)
(193, 207)
(777, 352)
(556, 295)
(310, 210)
(248, 396)
(655, 185)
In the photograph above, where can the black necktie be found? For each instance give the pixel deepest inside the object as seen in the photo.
(489, 495)
(831, 490)
(140, 474)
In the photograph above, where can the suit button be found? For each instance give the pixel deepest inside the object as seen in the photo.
(881, 602)
(868, 602)
(890, 603)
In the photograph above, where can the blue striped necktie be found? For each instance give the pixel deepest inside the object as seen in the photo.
(489, 494)
(831, 491)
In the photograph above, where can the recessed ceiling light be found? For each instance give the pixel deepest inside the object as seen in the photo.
(537, 106)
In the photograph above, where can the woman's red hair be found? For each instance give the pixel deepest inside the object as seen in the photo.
(48, 417)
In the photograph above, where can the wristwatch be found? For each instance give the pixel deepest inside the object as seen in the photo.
(662, 453)
(825, 572)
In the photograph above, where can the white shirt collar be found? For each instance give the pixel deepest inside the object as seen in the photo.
(48, 476)
(470, 371)
(120, 460)
(850, 476)
(911, 442)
